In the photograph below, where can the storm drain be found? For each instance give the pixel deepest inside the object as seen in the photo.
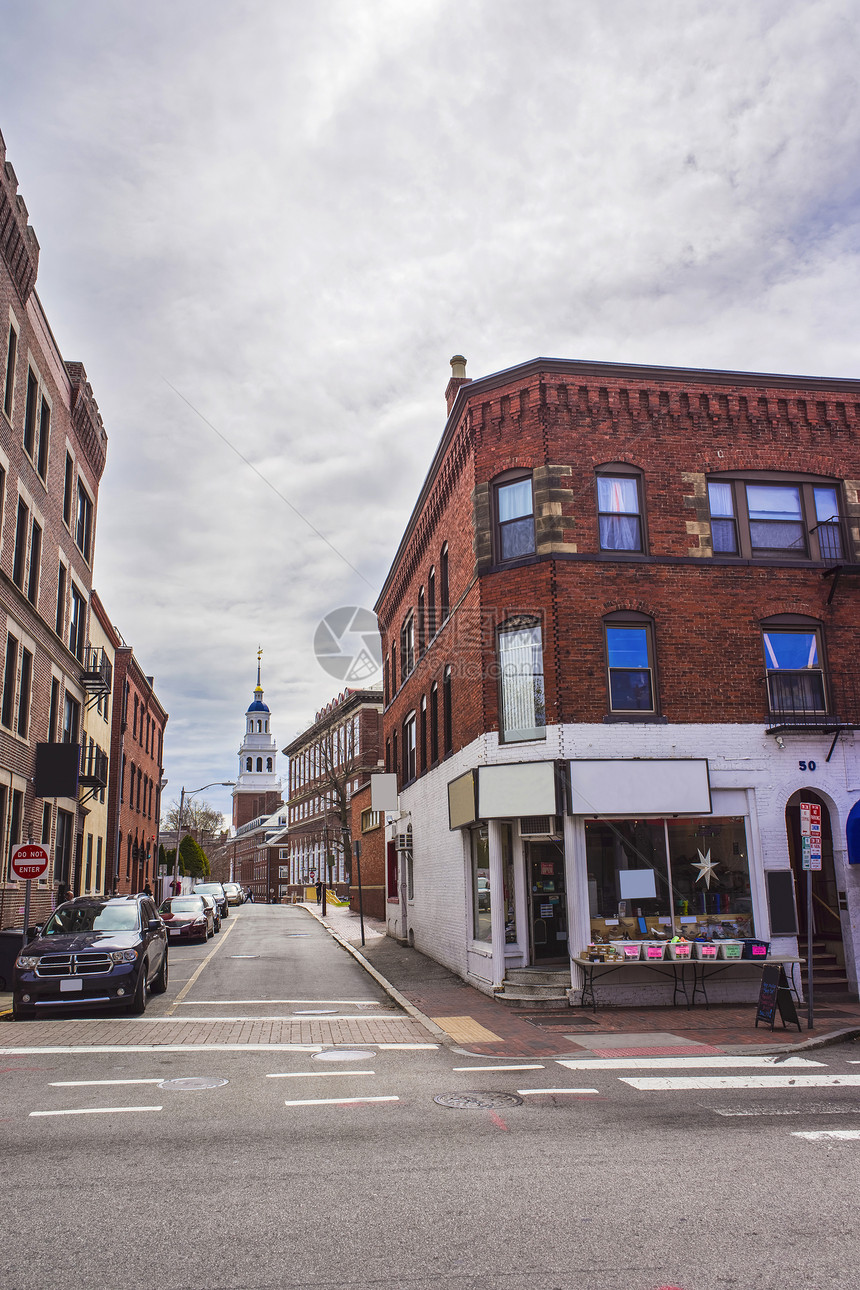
(478, 1101)
(342, 1055)
(192, 1084)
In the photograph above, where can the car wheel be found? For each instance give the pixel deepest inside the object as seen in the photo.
(138, 1003)
(159, 985)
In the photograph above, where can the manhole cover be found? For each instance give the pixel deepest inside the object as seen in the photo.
(478, 1101)
(192, 1084)
(341, 1055)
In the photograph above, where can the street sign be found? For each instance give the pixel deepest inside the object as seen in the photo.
(28, 860)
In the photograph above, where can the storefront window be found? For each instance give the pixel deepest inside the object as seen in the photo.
(482, 930)
(701, 888)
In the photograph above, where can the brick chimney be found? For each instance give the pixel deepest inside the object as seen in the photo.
(458, 378)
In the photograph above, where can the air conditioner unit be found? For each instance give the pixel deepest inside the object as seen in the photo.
(540, 826)
(403, 842)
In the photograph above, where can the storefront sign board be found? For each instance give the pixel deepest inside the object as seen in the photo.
(774, 995)
(677, 786)
(517, 789)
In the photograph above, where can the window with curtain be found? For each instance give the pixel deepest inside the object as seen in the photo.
(523, 705)
(515, 525)
(619, 516)
(724, 529)
(776, 518)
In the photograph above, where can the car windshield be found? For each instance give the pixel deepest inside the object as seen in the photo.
(91, 918)
(182, 905)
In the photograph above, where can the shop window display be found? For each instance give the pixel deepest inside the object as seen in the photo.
(481, 889)
(663, 878)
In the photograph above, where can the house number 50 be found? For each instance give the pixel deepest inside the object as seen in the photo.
(806, 765)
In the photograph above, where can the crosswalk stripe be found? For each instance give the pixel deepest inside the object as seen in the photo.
(537, 1066)
(682, 1063)
(533, 1092)
(338, 1101)
(317, 1074)
(99, 1110)
(821, 1135)
(675, 1082)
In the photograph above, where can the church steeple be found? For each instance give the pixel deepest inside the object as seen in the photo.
(258, 753)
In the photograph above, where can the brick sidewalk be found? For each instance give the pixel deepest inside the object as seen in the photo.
(492, 1029)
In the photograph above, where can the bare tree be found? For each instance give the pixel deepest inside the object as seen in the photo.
(339, 764)
(197, 817)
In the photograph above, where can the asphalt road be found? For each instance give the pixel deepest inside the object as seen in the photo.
(288, 1169)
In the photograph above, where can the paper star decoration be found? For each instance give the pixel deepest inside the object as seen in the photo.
(706, 867)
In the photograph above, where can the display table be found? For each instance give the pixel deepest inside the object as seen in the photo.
(674, 970)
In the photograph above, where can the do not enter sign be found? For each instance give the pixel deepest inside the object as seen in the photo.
(29, 860)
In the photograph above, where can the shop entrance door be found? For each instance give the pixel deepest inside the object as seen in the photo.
(548, 903)
(826, 923)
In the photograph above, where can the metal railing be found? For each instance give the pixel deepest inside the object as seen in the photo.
(811, 699)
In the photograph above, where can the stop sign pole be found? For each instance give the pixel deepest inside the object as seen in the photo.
(28, 860)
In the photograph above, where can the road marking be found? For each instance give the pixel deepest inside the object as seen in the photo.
(162, 1048)
(807, 1109)
(533, 1092)
(339, 1101)
(537, 1067)
(316, 1074)
(90, 1083)
(681, 1063)
(672, 1083)
(358, 1003)
(99, 1110)
(281, 1017)
(195, 975)
(822, 1135)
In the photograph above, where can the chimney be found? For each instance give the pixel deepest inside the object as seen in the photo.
(458, 378)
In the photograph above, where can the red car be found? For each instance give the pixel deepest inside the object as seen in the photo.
(187, 918)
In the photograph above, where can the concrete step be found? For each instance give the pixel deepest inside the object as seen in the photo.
(513, 997)
(538, 976)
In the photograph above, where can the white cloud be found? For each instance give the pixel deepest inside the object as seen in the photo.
(296, 213)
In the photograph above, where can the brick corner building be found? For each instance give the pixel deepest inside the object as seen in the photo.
(620, 649)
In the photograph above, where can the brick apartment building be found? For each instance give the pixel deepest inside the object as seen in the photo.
(136, 772)
(52, 454)
(620, 647)
(329, 762)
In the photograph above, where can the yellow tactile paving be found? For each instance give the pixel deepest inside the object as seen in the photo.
(467, 1030)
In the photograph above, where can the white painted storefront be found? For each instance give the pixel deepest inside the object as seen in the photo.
(730, 785)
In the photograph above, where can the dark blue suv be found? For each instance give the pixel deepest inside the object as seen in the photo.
(93, 950)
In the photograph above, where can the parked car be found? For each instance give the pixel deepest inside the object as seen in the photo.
(235, 894)
(216, 911)
(91, 951)
(214, 889)
(188, 918)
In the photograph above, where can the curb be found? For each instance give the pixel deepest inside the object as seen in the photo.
(436, 1031)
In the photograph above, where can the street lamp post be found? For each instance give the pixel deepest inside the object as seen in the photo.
(221, 783)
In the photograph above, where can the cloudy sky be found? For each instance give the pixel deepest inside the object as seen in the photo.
(267, 226)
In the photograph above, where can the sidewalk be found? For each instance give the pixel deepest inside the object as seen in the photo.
(483, 1027)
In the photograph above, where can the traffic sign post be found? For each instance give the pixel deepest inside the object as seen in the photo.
(810, 847)
(28, 860)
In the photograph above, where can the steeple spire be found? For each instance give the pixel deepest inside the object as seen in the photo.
(259, 656)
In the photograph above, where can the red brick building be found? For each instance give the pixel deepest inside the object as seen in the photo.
(136, 772)
(328, 763)
(367, 828)
(52, 454)
(625, 604)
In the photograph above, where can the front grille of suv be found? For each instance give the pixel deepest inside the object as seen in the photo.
(84, 963)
